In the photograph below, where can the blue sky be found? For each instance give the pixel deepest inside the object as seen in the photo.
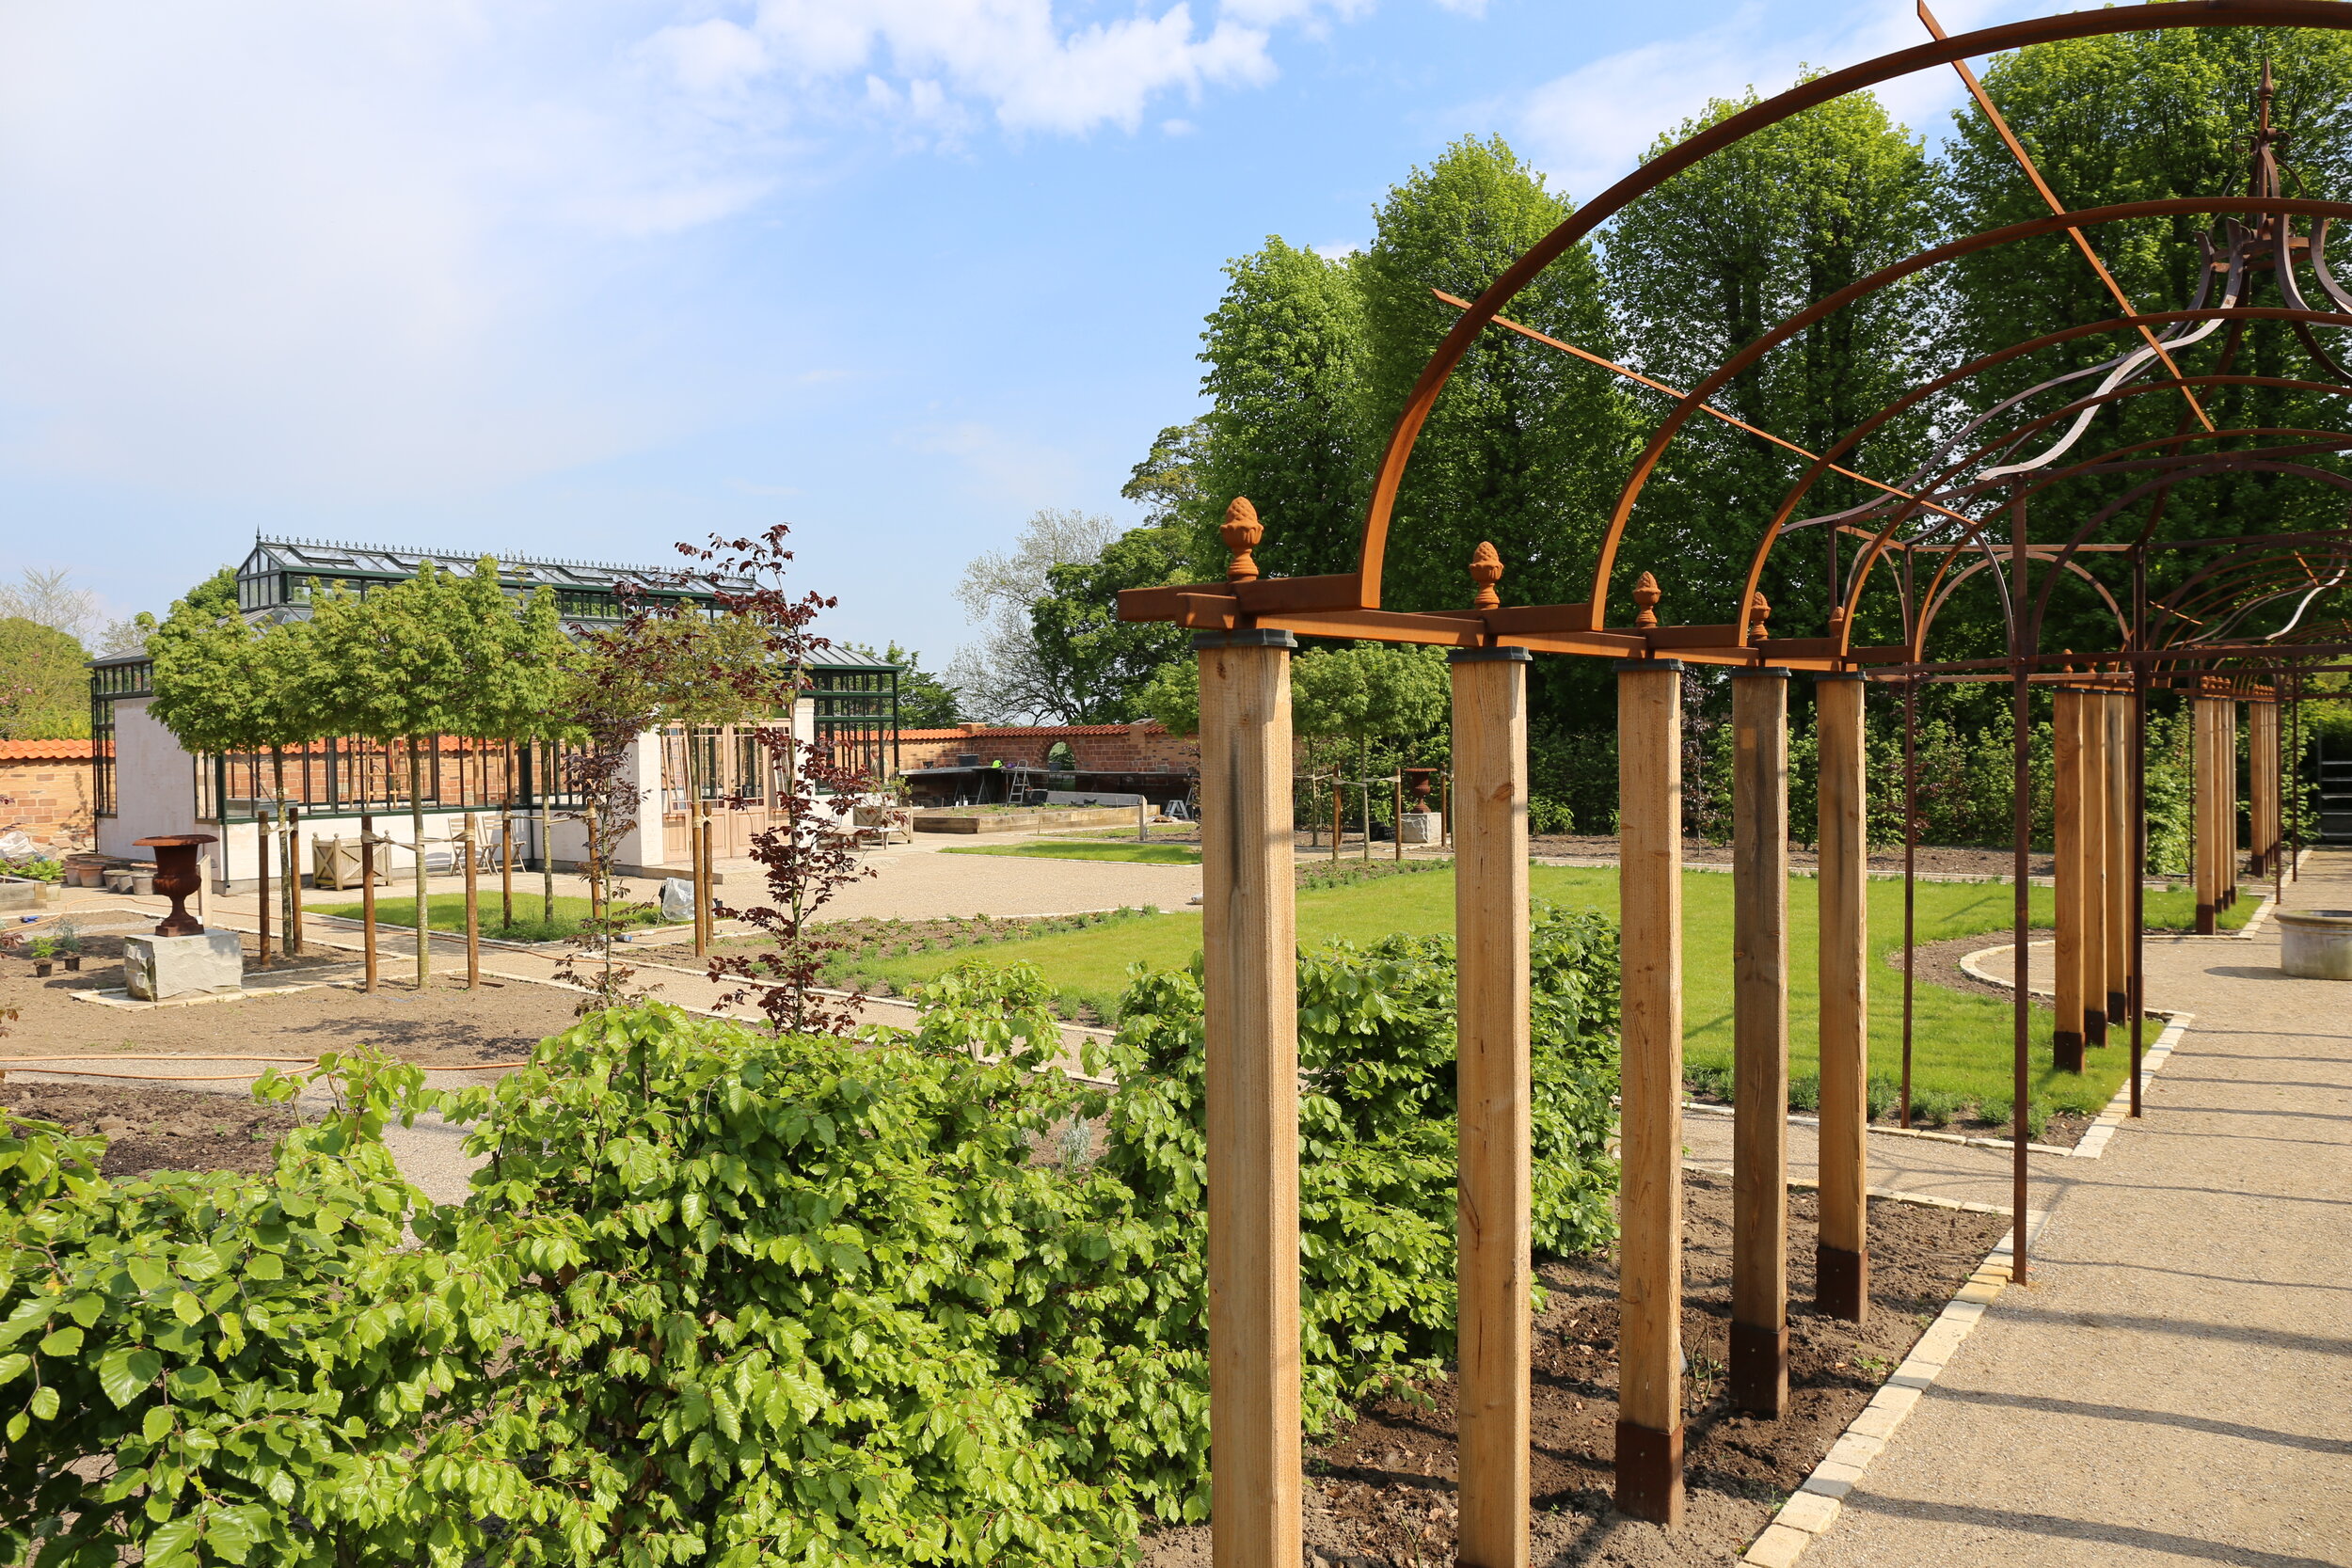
(582, 280)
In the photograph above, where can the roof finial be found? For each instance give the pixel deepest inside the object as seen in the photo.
(1645, 598)
(1241, 533)
(1486, 570)
(1760, 611)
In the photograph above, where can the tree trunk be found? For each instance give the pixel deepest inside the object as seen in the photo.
(546, 838)
(506, 849)
(416, 834)
(1363, 786)
(290, 890)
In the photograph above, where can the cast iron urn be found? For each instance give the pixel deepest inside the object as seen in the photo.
(175, 877)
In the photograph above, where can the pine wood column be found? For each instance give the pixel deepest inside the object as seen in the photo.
(2205, 741)
(2117, 713)
(1250, 987)
(1649, 1198)
(2262, 782)
(1759, 1034)
(2066, 801)
(2093, 794)
(1842, 1250)
(1495, 1196)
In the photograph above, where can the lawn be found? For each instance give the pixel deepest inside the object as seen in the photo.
(449, 914)
(1147, 854)
(1961, 1042)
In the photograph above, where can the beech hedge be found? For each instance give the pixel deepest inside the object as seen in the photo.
(719, 1297)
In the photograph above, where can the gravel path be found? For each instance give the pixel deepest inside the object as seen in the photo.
(2175, 1384)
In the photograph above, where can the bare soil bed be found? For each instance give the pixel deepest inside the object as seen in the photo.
(1381, 1494)
(445, 1026)
(151, 1128)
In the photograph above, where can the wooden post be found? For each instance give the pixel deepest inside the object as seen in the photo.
(1495, 1199)
(265, 848)
(1649, 1202)
(473, 908)
(2092, 707)
(1397, 821)
(2066, 1046)
(294, 876)
(1759, 1035)
(506, 849)
(2208, 848)
(367, 898)
(2117, 709)
(697, 841)
(1250, 987)
(1842, 1250)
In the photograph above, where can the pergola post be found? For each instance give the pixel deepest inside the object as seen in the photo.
(1649, 1198)
(2116, 714)
(1841, 1254)
(2206, 738)
(2066, 803)
(2091, 714)
(1249, 988)
(1759, 1034)
(1495, 1198)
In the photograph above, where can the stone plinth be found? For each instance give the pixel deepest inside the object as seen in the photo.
(2316, 945)
(155, 969)
(1420, 827)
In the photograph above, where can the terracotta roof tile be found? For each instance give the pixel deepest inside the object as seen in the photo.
(15, 749)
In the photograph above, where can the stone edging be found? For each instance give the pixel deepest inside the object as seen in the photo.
(1797, 1118)
(1816, 1504)
(2095, 1139)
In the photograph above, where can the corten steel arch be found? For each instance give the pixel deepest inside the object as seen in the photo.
(1247, 625)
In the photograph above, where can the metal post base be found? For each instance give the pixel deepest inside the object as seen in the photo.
(2204, 919)
(2118, 1010)
(2066, 1051)
(1649, 1473)
(1841, 1283)
(1759, 1369)
(2095, 1027)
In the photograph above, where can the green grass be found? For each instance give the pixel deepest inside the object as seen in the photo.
(449, 914)
(1147, 854)
(1961, 1042)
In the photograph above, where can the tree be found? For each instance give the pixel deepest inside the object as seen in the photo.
(1527, 446)
(394, 667)
(1095, 664)
(1289, 423)
(1006, 675)
(1702, 266)
(925, 701)
(44, 683)
(50, 599)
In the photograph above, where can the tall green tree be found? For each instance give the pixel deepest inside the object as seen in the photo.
(1098, 663)
(1288, 423)
(1526, 446)
(1701, 267)
(44, 683)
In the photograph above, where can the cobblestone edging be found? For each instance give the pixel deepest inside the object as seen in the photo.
(1814, 1505)
(1798, 1119)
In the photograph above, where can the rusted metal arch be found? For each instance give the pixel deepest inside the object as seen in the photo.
(1987, 41)
(1942, 590)
(2063, 552)
(2102, 463)
(2229, 597)
(1779, 523)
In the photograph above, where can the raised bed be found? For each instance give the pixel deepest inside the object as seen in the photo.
(967, 821)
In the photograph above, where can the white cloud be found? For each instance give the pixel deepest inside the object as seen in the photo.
(1015, 59)
(1589, 127)
(1001, 465)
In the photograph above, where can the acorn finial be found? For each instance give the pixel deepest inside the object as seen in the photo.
(1241, 533)
(1645, 598)
(1486, 570)
(1760, 611)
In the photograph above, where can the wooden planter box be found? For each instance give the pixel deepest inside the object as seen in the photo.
(1023, 821)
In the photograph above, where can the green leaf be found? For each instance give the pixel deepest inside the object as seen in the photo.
(44, 1405)
(146, 1273)
(65, 1341)
(13, 1366)
(126, 1371)
(158, 1423)
(266, 1265)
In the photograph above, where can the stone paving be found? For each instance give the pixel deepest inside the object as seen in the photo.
(2174, 1382)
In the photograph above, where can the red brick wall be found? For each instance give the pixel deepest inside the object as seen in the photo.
(45, 791)
(1098, 748)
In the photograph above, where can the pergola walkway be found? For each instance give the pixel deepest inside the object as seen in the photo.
(2175, 1384)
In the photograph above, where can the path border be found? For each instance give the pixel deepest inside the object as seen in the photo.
(1817, 1503)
